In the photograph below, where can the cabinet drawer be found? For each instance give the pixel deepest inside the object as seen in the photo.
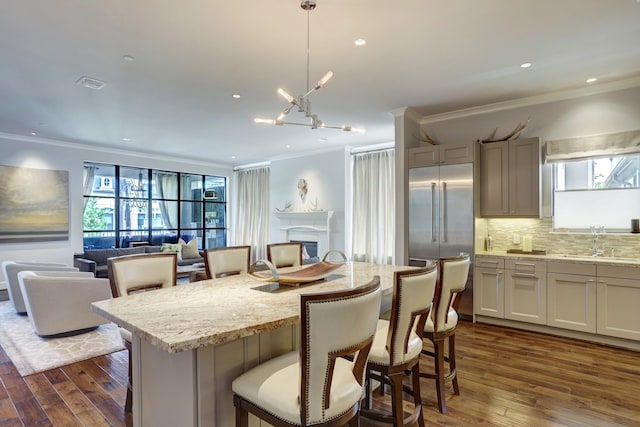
(489, 262)
(526, 266)
(620, 272)
(583, 269)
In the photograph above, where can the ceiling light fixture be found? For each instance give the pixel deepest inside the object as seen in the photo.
(303, 103)
(525, 65)
(592, 80)
(360, 42)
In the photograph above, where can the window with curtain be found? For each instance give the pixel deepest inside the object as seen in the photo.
(373, 221)
(596, 181)
(252, 213)
(125, 205)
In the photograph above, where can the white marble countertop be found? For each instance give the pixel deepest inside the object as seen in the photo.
(217, 311)
(631, 262)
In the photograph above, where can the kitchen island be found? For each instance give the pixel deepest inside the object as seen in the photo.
(191, 341)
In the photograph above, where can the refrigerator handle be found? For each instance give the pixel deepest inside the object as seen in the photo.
(444, 211)
(433, 212)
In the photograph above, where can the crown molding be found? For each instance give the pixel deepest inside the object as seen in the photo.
(110, 150)
(533, 100)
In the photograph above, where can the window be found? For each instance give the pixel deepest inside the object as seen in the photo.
(125, 204)
(601, 192)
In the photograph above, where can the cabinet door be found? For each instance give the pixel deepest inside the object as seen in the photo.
(571, 302)
(494, 179)
(423, 156)
(524, 177)
(488, 292)
(526, 296)
(452, 154)
(618, 307)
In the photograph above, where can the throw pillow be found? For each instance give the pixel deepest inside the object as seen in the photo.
(189, 250)
(173, 247)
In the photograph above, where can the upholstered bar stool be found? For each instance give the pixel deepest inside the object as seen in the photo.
(317, 385)
(396, 348)
(442, 323)
(130, 274)
(220, 262)
(285, 254)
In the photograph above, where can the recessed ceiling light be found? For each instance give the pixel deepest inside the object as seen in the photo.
(526, 65)
(592, 80)
(126, 139)
(288, 146)
(233, 157)
(323, 139)
(127, 58)
(360, 42)
(236, 96)
(33, 133)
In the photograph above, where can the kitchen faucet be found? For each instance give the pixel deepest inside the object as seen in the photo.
(595, 230)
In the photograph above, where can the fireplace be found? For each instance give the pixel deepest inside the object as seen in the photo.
(307, 227)
(309, 246)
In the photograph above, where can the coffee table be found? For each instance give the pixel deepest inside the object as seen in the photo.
(190, 271)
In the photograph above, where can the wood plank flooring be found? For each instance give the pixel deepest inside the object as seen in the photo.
(507, 378)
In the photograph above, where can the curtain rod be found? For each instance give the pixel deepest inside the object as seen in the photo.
(251, 166)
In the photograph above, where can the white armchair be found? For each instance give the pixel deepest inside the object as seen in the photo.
(59, 302)
(11, 270)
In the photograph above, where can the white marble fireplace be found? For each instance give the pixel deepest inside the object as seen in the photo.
(313, 226)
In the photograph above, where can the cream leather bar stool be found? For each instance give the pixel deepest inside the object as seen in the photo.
(220, 262)
(130, 274)
(442, 323)
(317, 385)
(398, 342)
(285, 254)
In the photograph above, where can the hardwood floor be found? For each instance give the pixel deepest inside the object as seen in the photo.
(507, 378)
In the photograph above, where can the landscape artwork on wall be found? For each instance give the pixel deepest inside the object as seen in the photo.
(34, 204)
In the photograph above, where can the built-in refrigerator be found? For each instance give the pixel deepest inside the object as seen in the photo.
(441, 218)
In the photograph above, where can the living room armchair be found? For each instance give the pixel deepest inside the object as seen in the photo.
(59, 302)
(11, 270)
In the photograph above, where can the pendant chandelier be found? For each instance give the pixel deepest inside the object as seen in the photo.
(303, 103)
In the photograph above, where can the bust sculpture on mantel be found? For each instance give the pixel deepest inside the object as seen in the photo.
(305, 206)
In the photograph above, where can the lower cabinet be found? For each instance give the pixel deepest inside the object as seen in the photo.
(619, 302)
(526, 291)
(571, 296)
(488, 286)
(591, 297)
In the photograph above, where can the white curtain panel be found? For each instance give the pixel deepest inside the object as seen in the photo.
(252, 213)
(373, 219)
(168, 188)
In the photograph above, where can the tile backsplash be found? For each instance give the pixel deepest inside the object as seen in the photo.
(503, 230)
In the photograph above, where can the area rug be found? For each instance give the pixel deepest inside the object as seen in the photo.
(31, 353)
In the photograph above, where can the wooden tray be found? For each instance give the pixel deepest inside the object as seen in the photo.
(311, 273)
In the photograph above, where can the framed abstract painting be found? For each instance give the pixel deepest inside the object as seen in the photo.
(34, 204)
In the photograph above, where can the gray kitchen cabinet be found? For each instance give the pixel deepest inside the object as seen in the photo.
(618, 301)
(510, 178)
(446, 154)
(488, 286)
(525, 296)
(571, 296)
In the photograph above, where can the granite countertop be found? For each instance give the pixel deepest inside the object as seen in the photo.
(587, 259)
(217, 311)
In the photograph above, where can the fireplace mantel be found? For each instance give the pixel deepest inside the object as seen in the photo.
(307, 226)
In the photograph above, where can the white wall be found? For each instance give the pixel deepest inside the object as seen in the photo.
(46, 154)
(326, 178)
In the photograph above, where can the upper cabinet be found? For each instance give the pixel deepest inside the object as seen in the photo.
(434, 155)
(510, 178)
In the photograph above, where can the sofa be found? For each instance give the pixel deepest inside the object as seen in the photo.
(95, 260)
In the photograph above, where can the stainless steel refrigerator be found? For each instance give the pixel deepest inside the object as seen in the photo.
(441, 218)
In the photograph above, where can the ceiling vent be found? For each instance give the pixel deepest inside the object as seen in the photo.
(91, 83)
